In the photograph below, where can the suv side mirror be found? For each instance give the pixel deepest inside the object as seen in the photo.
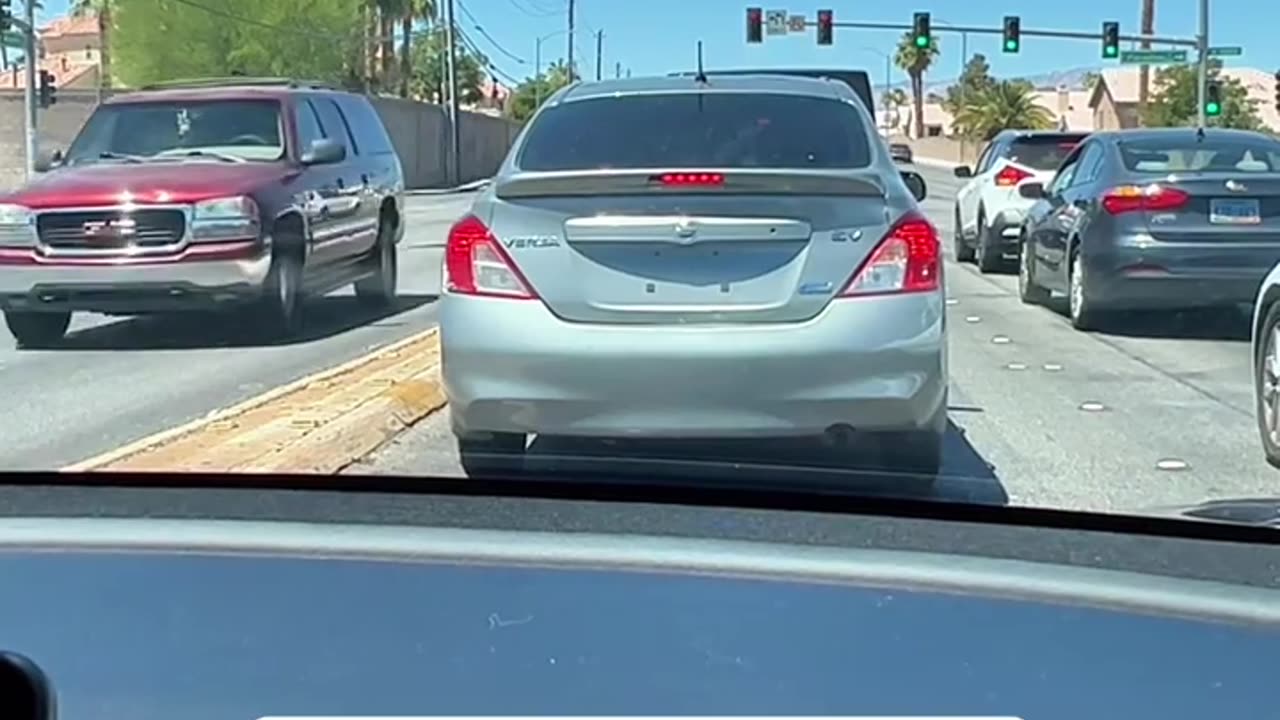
(47, 160)
(915, 183)
(324, 151)
(1031, 190)
(963, 171)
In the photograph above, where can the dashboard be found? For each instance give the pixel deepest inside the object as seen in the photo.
(240, 617)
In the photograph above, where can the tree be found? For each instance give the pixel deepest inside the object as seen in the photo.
(1007, 104)
(414, 11)
(915, 61)
(1091, 80)
(427, 80)
(102, 9)
(157, 40)
(1175, 103)
(531, 93)
(975, 80)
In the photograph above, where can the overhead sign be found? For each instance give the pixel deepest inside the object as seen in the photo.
(1152, 57)
(796, 23)
(775, 22)
(1226, 51)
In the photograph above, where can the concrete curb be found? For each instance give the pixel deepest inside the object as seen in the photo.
(935, 162)
(319, 423)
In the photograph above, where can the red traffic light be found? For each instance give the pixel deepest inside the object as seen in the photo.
(755, 25)
(825, 27)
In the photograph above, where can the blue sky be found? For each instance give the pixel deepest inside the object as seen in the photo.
(657, 36)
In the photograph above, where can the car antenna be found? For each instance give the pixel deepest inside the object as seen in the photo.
(702, 75)
(1200, 134)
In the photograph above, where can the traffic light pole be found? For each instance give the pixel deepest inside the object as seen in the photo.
(1202, 45)
(29, 92)
(1064, 34)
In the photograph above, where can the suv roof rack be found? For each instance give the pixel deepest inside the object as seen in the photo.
(240, 81)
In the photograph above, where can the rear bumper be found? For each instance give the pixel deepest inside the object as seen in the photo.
(198, 277)
(1003, 230)
(1139, 275)
(873, 364)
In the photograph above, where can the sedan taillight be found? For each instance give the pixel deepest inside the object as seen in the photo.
(907, 260)
(475, 263)
(1135, 198)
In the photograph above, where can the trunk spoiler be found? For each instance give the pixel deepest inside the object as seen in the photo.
(736, 181)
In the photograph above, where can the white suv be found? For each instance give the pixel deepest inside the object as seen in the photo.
(989, 211)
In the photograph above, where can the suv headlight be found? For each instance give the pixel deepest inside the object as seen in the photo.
(229, 218)
(17, 225)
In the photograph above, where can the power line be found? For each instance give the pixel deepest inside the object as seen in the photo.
(487, 36)
(488, 64)
(537, 13)
(265, 25)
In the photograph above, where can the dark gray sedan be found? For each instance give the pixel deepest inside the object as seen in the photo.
(1155, 219)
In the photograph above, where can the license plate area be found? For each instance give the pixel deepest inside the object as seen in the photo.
(1234, 211)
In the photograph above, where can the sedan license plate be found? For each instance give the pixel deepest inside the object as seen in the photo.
(1234, 211)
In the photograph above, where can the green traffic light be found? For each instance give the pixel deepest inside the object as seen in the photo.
(1011, 45)
(1110, 51)
(1212, 108)
(922, 41)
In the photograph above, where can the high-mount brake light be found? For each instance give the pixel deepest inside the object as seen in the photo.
(690, 179)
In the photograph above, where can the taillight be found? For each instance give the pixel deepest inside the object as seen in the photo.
(907, 260)
(475, 263)
(691, 179)
(1010, 176)
(1134, 198)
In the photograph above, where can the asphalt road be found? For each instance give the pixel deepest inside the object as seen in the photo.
(1155, 413)
(117, 380)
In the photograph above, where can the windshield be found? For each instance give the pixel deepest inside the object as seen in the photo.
(241, 129)
(867, 253)
(1045, 152)
(1189, 154)
(698, 130)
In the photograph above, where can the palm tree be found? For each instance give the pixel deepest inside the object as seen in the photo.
(102, 9)
(915, 60)
(414, 11)
(1008, 104)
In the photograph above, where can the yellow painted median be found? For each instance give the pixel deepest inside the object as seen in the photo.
(320, 424)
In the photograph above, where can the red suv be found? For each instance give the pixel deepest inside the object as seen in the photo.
(246, 193)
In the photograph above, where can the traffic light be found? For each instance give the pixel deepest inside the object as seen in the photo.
(6, 15)
(920, 30)
(824, 27)
(1213, 99)
(1012, 33)
(755, 25)
(1110, 40)
(1278, 90)
(48, 92)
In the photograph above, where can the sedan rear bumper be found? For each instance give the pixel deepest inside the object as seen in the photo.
(872, 364)
(1171, 277)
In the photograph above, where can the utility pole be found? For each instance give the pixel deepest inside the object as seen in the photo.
(599, 52)
(29, 92)
(455, 150)
(1202, 45)
(573, 73)
(617, 69)
(1144, 72)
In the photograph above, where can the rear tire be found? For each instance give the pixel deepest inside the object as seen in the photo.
(1028, 291)
(1083, 314)
(963, 252)
(987, 259)
(379, 290)
(37, 329)
(487, 454)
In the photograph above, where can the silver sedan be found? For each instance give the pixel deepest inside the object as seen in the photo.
(683, 257)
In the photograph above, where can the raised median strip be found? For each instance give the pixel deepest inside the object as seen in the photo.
(319, 424)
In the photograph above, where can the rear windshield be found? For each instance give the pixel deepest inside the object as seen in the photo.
(1179, 154)
(245, 129)
(1042, 152)
(689, 130)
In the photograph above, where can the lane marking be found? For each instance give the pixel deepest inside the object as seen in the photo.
(350, 405)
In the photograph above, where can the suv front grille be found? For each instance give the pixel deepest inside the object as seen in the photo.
(111, 229)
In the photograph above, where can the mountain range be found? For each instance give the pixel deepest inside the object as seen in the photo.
(1073, 79)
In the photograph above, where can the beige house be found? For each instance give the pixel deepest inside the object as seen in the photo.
(70, 48)
(1069, 108)
(1114, 99)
